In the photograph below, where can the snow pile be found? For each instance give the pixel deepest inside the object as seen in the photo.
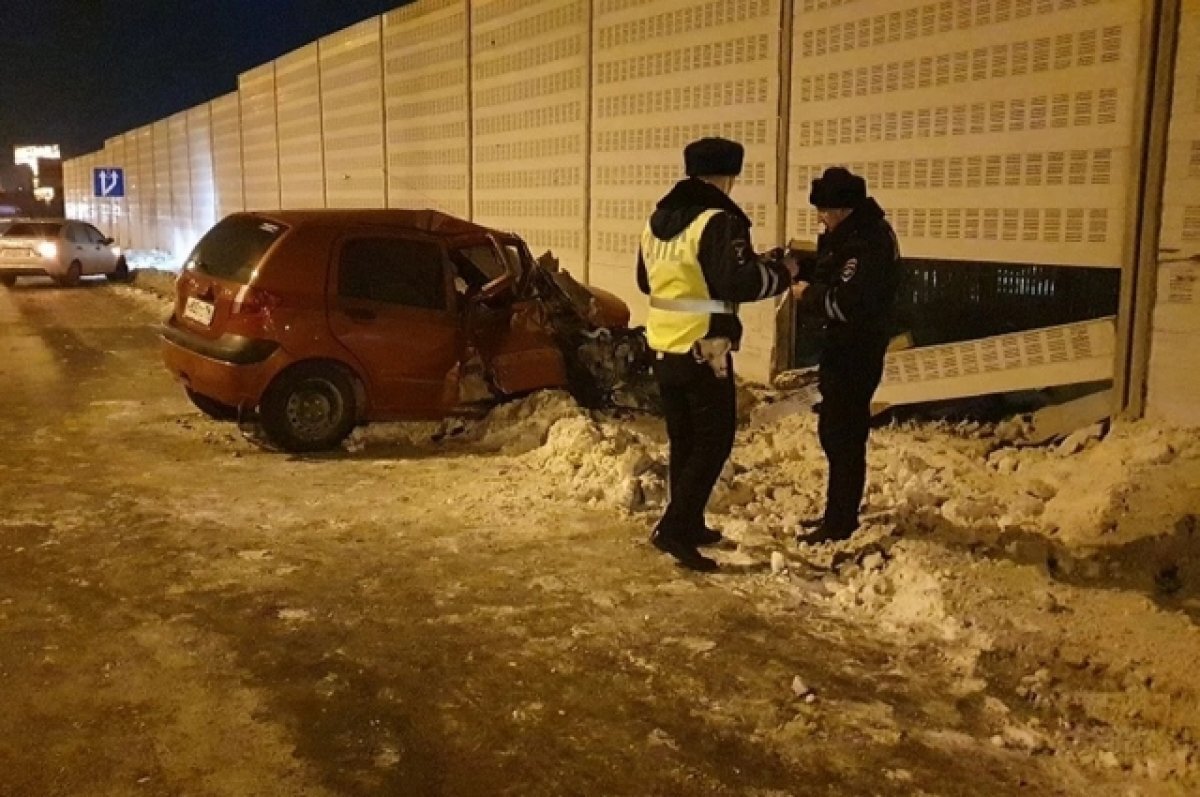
(155, 281)
(579, 456)
(511, 429)
(522, 425)
(600, 464)
(152, 259)
(1091, 489)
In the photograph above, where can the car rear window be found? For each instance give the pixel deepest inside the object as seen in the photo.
(233, 249)
(34, 230)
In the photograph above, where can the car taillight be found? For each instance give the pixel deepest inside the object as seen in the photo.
(253, 301)
(47, 249)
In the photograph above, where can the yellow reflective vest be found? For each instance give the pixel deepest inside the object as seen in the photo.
(674, 273)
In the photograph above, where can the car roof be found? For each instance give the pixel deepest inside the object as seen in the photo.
(424, 220)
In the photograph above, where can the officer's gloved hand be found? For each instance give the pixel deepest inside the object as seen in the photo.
(779, 257)
(773, 256)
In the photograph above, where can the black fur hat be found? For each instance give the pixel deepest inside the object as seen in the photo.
(712, 157)
(838, 188)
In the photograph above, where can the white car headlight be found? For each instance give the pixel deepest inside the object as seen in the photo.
(116, 250)
(47, 249)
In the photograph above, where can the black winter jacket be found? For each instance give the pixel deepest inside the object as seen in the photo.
(733, 271)
(853, 286)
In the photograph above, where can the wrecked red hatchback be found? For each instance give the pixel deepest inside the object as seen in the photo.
(319, 321)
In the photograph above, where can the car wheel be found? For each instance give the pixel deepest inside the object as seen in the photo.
(8, 282)
(309, 407)
(120, 273)
(211, 407)
(71, 278)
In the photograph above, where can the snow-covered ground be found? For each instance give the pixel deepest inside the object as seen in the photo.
(1071, 568)
(1065, 576)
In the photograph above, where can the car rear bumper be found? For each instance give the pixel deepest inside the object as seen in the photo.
(25, 268)
(231, 369)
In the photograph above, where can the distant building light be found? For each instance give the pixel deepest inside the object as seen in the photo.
(29, 155)
(44, 193)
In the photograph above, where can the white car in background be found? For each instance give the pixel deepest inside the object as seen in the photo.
(61, 249)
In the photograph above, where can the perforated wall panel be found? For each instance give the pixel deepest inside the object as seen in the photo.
(181, 183)
(530, 100)
(82, 192)
(94, 215)
(95, 206)
(163, 233)
(298, 109)
(81, 204)
(667, 72)
(147, 221)
(133, 192)
(113, 216)
(200, 159)
(83, 188)
(425, 85)
(989, 129)
(352, 115)
(69, 187)
(227, 155)
(73, 198)
(260, 149)
(1174, 380)
(1081, 352)
(1181, 199)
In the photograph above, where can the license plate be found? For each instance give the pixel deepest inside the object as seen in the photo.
(199, 311)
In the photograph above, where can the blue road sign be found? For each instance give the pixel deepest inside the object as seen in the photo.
(108, 182)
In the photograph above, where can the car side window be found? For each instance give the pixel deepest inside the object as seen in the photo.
(399, 271)
(75, 234)
(94, 235)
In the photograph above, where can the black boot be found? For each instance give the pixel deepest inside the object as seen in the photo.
(825, 532)
(705, 536)
(683, 550)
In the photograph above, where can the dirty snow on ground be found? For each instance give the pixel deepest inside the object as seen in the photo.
(152, 275)
(1065, 575)
(1059, 583)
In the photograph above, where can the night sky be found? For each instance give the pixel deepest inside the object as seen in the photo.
(75, 72)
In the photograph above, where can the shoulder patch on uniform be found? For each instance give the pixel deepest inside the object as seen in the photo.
(849, 269)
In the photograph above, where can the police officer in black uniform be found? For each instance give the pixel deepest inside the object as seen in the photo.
(851, 289)
(696, 263)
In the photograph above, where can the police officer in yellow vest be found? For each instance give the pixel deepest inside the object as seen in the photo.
(696, 263)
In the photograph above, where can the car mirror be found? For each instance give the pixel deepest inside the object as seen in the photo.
(107, 241)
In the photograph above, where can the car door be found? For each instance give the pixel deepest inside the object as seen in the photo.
(77, 246)
(390, 305)
(510, 330)
(103, 259)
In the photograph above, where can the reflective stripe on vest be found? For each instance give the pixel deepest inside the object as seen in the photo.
(693, 305)
(674, 273)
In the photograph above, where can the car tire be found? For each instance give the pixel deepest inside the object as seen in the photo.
(309, 407)
(120, 273)
(8, 282)
(71, 278)
(211, 407)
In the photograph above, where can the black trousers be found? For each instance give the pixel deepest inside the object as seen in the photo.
(701, 413)
(842, 427)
